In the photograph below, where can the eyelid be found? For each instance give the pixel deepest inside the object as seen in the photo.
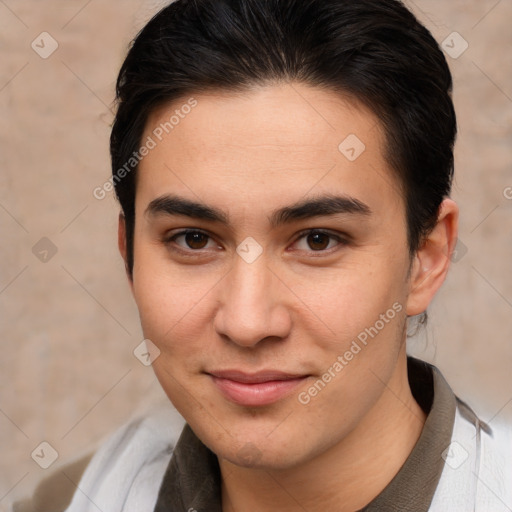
(341, 238)
(167, 239)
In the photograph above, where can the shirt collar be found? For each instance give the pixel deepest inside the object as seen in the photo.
(414, 485)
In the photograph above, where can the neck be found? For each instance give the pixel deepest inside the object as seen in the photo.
(346, 477)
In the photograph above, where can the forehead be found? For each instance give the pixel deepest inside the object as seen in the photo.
(270, 143)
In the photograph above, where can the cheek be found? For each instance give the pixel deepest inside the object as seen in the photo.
(170, 318)
(174, 306)
(345, 302)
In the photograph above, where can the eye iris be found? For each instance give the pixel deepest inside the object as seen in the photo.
(196, 240)
(316, 239)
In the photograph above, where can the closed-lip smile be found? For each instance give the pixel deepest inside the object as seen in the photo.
(255, 389)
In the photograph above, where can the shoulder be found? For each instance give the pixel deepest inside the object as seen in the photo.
(128, 465)
(495, 466)
(488, 448)
(54, 493)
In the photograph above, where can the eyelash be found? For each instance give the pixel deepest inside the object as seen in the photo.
(192, 253)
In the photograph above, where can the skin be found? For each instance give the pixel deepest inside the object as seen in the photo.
(296, 308)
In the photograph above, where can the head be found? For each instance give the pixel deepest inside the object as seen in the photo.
(287, 166)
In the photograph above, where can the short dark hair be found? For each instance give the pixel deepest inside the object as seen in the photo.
(374, 51)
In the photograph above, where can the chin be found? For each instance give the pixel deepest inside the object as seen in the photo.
(254, 450)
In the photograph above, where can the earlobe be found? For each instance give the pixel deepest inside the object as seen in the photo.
(121, 243)
(432, 260)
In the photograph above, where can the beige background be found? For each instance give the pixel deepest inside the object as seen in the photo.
(68, 326)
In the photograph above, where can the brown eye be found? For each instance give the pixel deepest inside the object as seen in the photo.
(196, 239)
(188, 240)
(318, 241)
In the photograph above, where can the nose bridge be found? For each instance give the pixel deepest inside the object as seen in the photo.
(251, 309)
(249, 292)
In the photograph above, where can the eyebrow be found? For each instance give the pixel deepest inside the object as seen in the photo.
(320, 206)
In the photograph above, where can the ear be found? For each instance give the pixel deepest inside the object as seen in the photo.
(432, 260)
(121, 243)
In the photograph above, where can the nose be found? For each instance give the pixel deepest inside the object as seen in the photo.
(252, 304)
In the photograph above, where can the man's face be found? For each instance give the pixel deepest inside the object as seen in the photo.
(266, 296)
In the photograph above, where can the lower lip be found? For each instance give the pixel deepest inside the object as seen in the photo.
(262, 393)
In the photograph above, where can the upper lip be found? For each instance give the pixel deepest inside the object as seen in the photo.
(255, 378)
